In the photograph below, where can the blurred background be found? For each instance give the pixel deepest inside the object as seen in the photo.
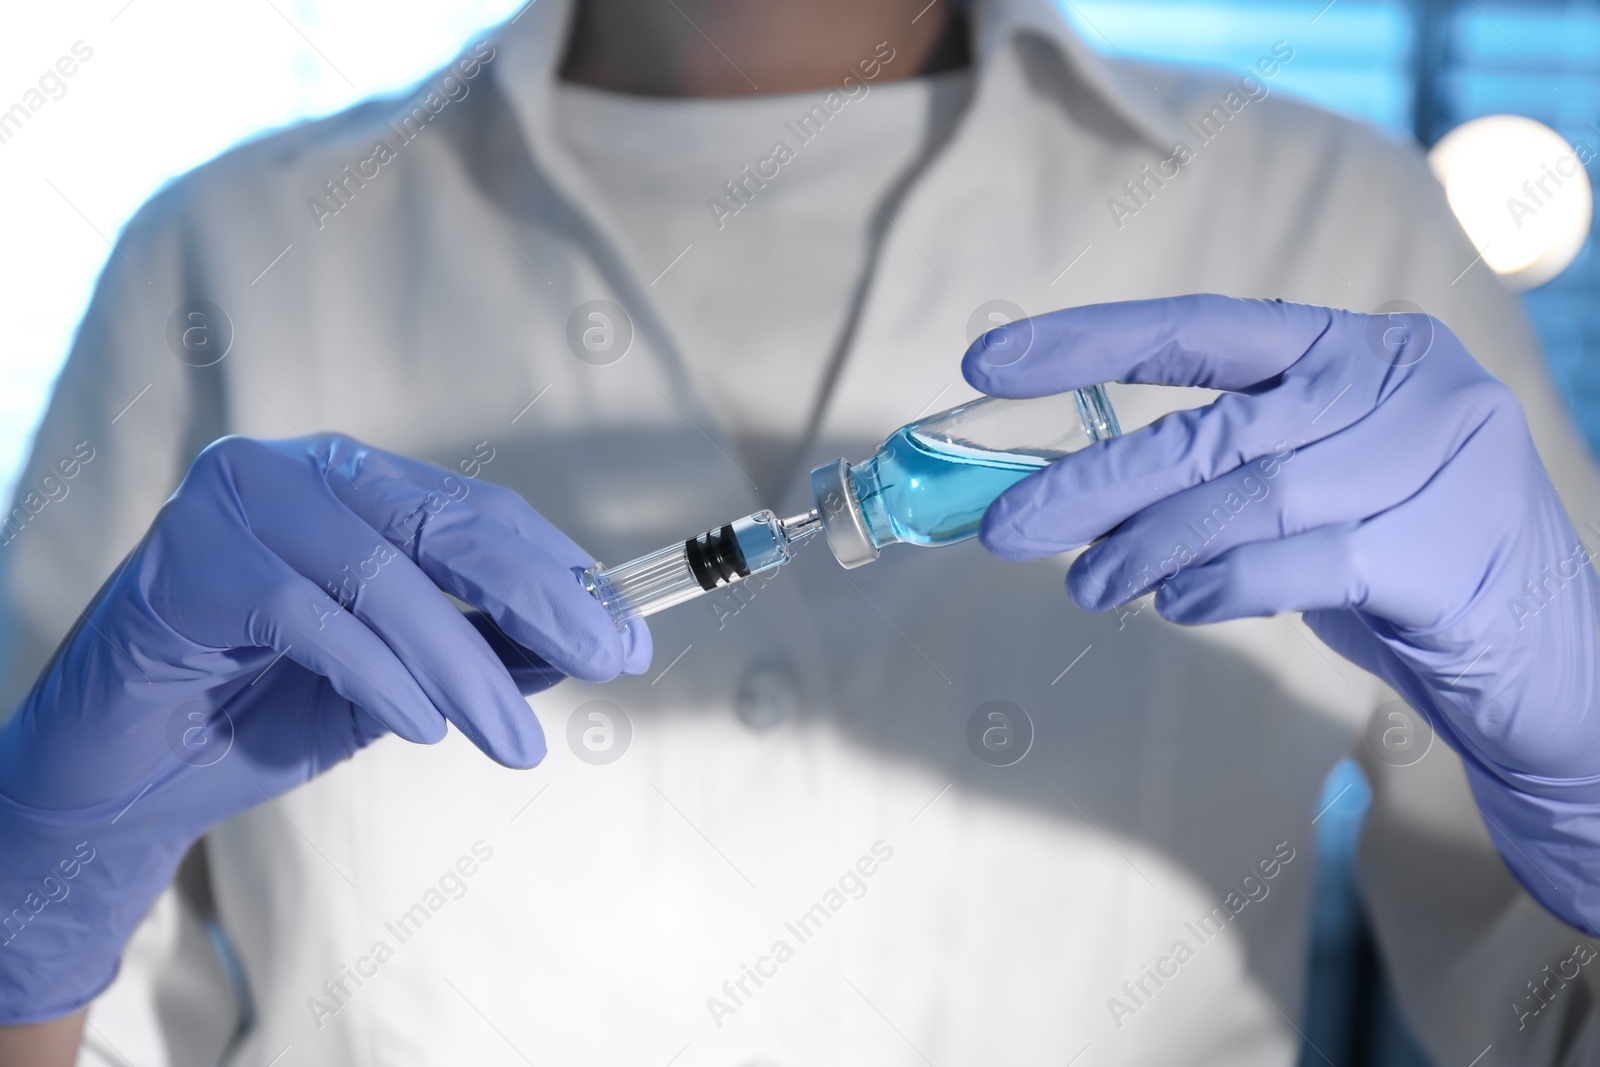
(167, 84)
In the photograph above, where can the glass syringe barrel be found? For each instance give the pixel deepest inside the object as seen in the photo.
(715, 559)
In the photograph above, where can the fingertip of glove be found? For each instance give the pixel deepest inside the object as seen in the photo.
(982, 368)
(999, 543)
(1003, 535)
(525, 754)
(427, 729)
(1176, 607)
(638, 648)
(1190, 599)
(593, 650)
(1086, 588)
(513, 738)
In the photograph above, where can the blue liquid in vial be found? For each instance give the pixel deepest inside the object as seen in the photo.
(927, 492)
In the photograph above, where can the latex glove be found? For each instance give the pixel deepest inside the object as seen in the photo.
(214, 670)
(1367, 472)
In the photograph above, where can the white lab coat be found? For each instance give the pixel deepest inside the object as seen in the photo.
(608, 905)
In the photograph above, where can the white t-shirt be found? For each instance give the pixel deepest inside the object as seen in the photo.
(757, 219)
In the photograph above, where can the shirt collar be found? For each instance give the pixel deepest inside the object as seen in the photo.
(1122, 87)
(528, 51)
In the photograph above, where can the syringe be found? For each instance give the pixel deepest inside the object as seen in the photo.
(928, 483)
(715, 559)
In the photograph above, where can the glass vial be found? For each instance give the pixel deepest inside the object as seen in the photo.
(930, 481)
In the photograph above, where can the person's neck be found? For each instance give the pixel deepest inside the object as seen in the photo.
(741, 47)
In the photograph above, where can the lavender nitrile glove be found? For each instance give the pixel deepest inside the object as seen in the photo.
(1364, 470)
(284, 610)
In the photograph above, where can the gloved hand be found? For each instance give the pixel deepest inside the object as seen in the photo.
(284, 610)
(1367, 472)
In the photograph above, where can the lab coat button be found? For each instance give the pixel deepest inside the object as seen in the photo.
(768, 694)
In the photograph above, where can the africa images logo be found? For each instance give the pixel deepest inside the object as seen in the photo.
(452, 88)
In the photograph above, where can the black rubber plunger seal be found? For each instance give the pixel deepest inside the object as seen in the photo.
(715, 558)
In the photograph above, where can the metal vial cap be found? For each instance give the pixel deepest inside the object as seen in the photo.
(843, 522)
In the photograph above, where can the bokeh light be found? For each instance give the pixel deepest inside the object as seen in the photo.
(1521, 193)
